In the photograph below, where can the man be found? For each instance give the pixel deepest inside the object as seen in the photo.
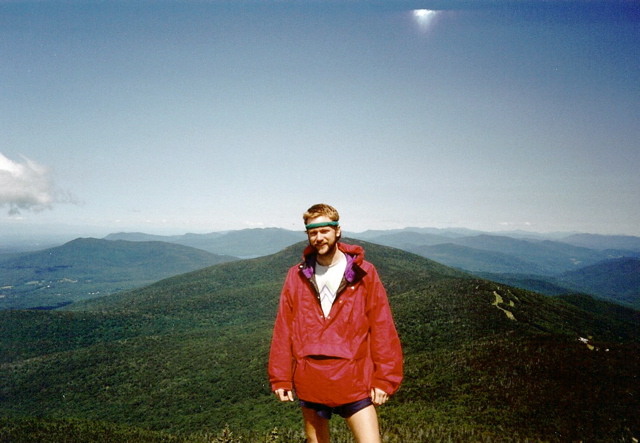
(334, 341)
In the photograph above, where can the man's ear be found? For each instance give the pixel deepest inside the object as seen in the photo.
(338, 232)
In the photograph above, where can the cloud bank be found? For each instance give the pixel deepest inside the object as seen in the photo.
(27, 186)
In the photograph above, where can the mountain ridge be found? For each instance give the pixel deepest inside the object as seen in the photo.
(616, 279)
(88, 267)
(523, 260)
(603, 242)
(244, 243)
(483, 361)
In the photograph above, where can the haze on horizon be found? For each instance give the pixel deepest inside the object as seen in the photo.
(172, 117)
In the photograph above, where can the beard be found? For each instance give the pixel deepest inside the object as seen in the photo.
(326, 247)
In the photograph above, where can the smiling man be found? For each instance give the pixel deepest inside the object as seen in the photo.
(334, 341)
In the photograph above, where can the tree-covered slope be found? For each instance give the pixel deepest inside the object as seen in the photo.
(188, 354)
(88, 267)
(617, 280)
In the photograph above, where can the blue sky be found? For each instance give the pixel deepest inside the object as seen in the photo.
(174, 117)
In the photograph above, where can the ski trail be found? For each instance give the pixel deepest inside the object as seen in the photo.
(497, 303)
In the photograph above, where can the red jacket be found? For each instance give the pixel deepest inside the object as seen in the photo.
(337, 359)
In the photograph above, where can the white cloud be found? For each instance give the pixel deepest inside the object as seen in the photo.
(28, 186)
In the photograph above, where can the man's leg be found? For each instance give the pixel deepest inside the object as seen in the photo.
(364, 425)
(316, 427)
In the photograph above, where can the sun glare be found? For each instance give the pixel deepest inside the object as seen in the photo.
(424, 17)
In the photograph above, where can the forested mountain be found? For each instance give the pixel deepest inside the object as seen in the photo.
(551, 267)
(617, 279)
(88, 267)
(187, 356)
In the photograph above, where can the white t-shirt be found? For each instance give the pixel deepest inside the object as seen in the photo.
(328, 279)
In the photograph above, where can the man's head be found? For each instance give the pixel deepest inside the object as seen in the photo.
(320, 210)
(323, 229)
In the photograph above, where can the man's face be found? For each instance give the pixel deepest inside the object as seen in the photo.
(324, 239)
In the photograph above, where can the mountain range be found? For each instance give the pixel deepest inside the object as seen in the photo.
(553, 264)
(184, 359)
(245, 243)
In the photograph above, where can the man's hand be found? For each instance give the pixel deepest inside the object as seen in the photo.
(284, 395)
(378, 396)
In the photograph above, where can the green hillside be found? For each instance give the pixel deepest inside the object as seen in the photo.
(88, 267)
(617, 280)
(185, 357)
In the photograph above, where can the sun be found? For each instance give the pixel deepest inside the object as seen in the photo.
(424, 17)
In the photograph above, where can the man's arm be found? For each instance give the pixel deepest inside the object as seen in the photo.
(281, 357)
(386, 351)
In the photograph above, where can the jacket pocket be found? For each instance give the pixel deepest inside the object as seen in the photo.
(331, 381)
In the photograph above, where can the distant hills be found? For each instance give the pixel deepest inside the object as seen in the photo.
(550, 267)
(543, 257)
(245, 243)
(552, 264)
(87, 267)
(616, 279)
(186, 356)
(539, 262)
(604, 242)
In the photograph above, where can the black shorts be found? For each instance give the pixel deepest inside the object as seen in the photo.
(344, 411)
